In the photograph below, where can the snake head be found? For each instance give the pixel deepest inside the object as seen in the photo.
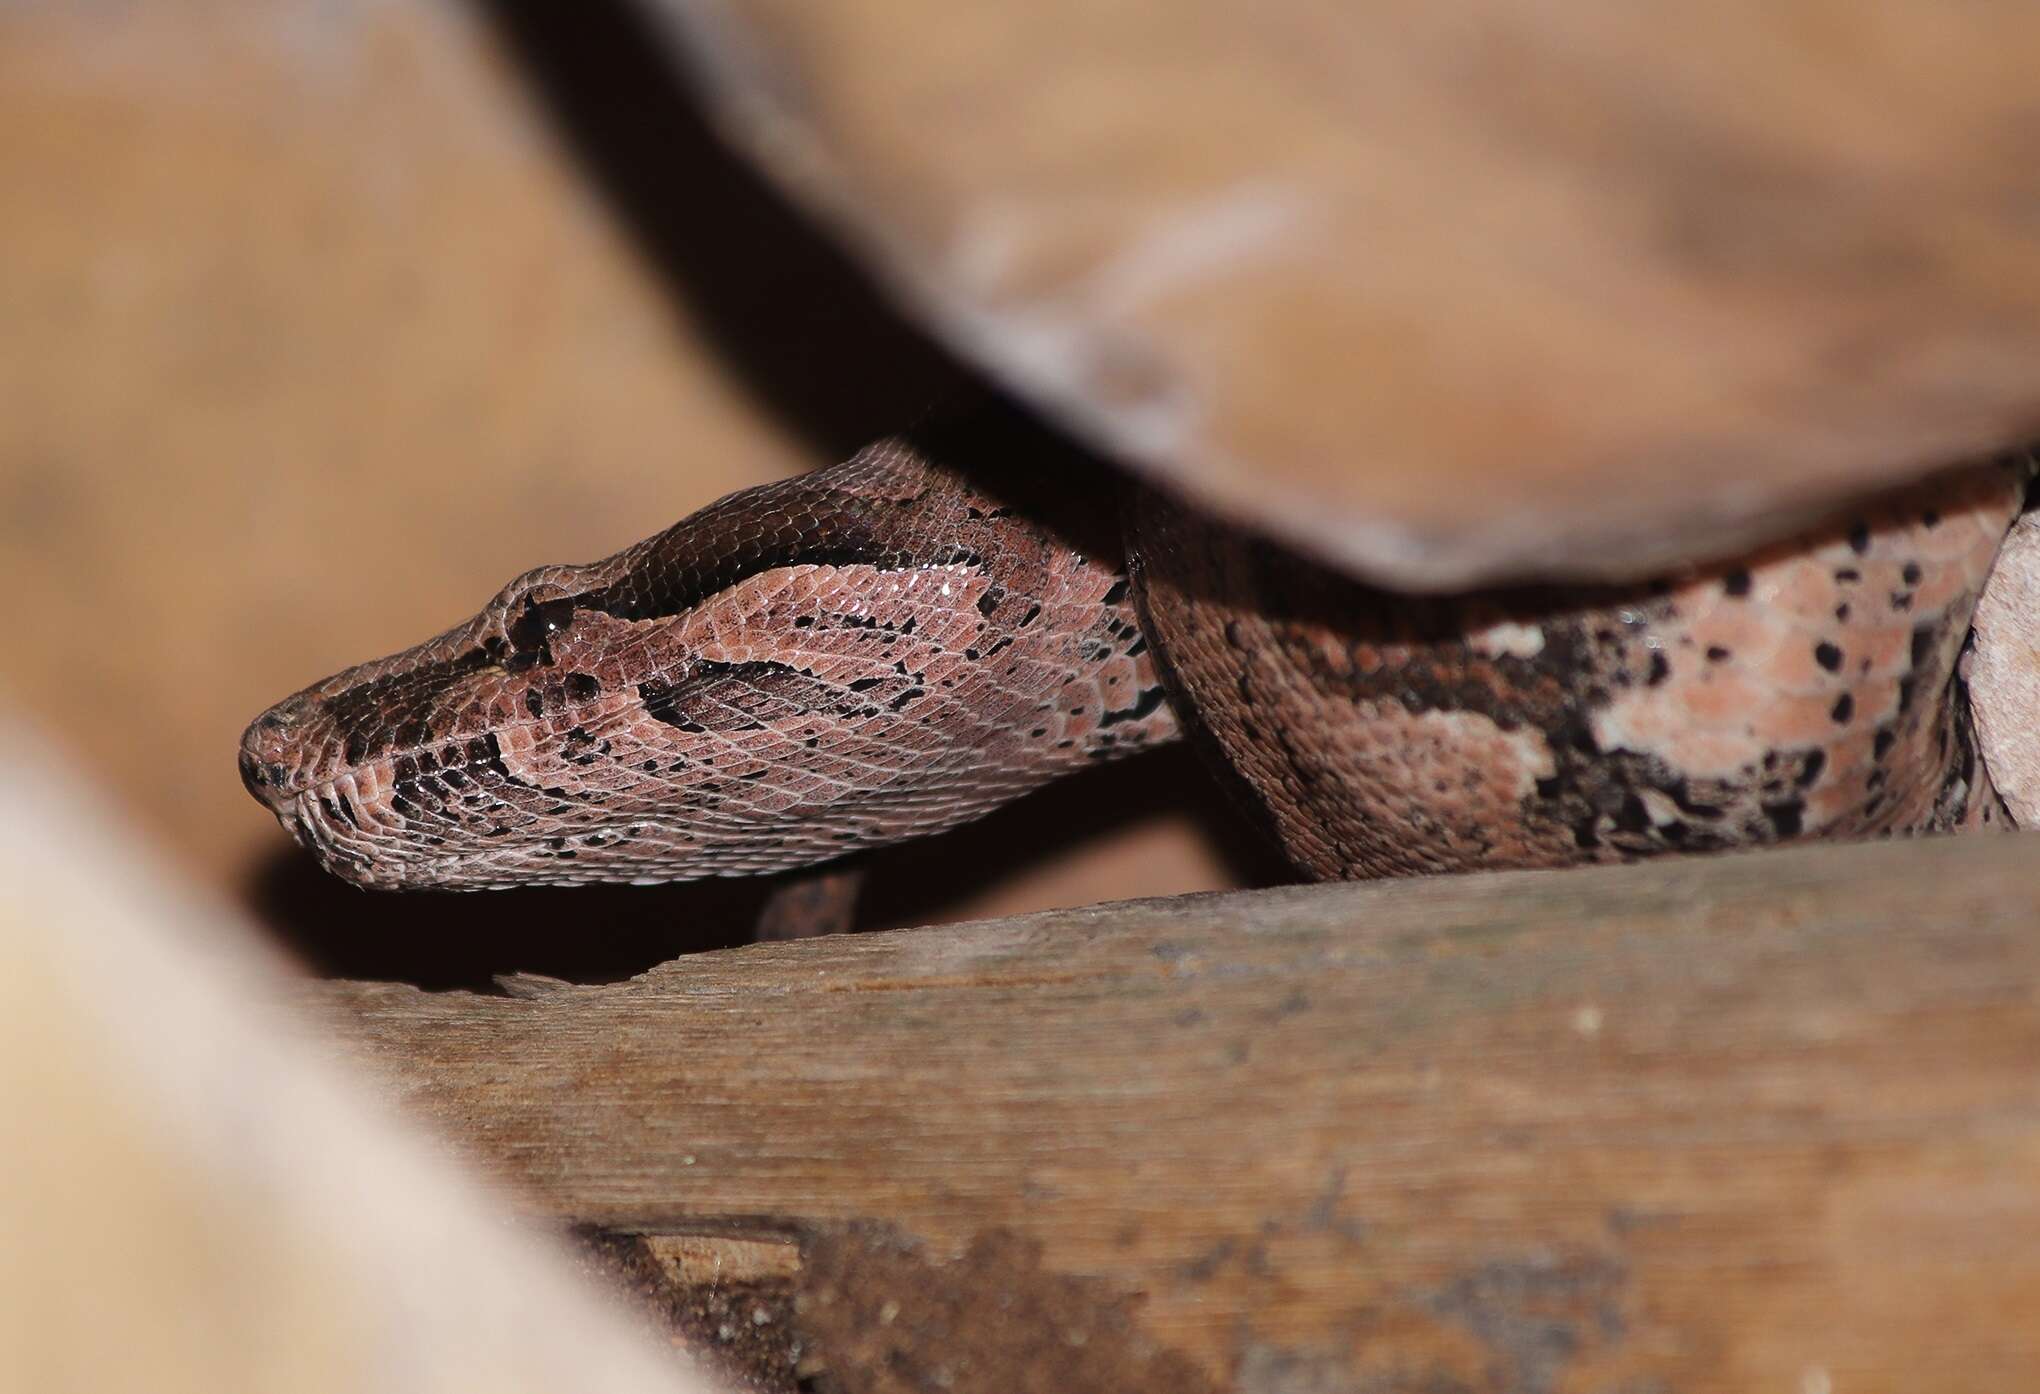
(873, 652)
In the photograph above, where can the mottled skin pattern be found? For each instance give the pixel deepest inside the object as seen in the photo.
(868, 653)
(883, 650)
(1808, 690)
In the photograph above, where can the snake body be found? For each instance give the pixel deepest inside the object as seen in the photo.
(895, 645)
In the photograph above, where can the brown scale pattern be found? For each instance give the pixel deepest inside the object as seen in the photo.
(1808, 690)
(869, 653)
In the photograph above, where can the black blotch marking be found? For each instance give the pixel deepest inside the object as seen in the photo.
(1716, 654)
(1843, 709)
(1848, 575)
(1736, 583)
(1880, 745)
(1117, 593)
(660, 702)
(485, 752)
(1827, 656)
(582, 686)
(533, 702)
(1859, 537)
(1143, 706)
(1816, 761)
(1786, 818)
(1910, 574)
(1660, 668)
(578, 747)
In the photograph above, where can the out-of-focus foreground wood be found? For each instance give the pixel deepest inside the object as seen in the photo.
(191, 1200)
(1443, 292)
(1769, 1122)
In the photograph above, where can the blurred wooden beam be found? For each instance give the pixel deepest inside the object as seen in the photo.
(1758, 1122)
(192, 1200)
(1441, 293)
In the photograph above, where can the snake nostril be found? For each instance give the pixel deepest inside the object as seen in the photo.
(252, 773)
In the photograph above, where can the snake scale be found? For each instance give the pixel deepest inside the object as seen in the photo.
(902, 642)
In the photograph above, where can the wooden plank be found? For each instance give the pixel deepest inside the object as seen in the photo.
(1761, 1122)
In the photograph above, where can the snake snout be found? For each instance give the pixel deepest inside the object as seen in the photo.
(268, 751)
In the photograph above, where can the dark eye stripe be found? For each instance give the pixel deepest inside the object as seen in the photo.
(673, 579)
(796, 522)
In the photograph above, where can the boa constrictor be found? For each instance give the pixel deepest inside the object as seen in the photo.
(900, 643)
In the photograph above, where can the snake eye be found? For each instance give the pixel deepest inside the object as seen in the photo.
(531, 633)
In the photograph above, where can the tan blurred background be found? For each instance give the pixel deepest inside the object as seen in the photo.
(324, 317)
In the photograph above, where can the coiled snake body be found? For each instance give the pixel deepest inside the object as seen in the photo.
(890, 647)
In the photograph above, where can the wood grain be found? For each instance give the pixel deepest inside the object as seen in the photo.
(1763, 1122)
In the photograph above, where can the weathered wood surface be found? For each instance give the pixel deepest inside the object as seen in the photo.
(192, 1201)
(1443, 292)
(1769, 1122)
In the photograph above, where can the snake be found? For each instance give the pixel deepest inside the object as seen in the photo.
(954, 616)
